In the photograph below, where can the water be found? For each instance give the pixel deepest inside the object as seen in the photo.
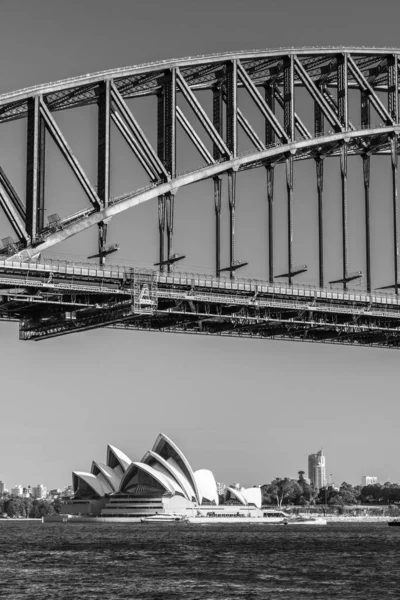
(198, 562)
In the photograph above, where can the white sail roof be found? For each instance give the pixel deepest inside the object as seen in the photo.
(167, 449)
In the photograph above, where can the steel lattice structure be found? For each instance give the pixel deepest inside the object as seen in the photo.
(50, 298)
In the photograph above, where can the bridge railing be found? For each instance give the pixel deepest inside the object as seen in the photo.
(190, 280)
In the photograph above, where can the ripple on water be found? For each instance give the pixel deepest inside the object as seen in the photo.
(197, 563)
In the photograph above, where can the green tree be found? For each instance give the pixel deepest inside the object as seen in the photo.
(348, 493)
(283, 489)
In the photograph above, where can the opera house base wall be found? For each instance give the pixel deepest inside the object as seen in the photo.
(124, 508)
(90, 507)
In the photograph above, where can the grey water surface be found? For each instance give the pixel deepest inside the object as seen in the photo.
(221, 561)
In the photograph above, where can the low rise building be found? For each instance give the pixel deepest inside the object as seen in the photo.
(17, 490)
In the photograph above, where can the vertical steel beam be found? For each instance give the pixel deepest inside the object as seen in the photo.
(393, 107)
(232, 206)
(365, 124)
(343, 110)
(160, 153)
(393, 88)
(269, 94)
(170, 149)
(218, 124)
(319, 124)
(394, 156)
(270, 194)
(288, 97)
(103, 158)
(289, 126)
(217, 206)
(342, 90)
(231, 107)
(232, 143)
(365, 110)
(161, 228)
(170, 224)
(103, 143)
(289, 183)
(367, 172)
(269, 140)
(320, 188)
(42, 165)
(343, 172)
(170, 122)
(33, 156)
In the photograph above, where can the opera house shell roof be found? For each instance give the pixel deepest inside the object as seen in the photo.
(164, 470)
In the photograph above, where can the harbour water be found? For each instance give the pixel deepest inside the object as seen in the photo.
(198, 562)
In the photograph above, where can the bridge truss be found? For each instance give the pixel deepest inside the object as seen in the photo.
(51, 299)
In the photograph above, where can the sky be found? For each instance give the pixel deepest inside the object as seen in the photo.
(249, 410)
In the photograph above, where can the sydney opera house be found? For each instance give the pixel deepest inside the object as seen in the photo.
(162, 482)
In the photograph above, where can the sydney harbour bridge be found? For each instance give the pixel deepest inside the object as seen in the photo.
(51, 298)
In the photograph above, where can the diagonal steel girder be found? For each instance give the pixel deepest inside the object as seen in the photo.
(12, 214)
(133, 144)
(146, 149)
(317, 95)
(247, 128)
(301, 128)
(12, 195)
(201, 114)
(194, 138)
(365, 86)
(249, 131)
(61, 142)
(260, 102)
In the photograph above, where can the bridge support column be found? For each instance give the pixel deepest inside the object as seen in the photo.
(394, 156)
(218, 124)
(270, 195)
(393, 106)
(161, 228)
(320, 187)
(170, 225)
(35, 168)
(103, 158)
(289, 185)
(232, 206)
(269, 94)
(367, 173)
(217, 205)
(343, 171)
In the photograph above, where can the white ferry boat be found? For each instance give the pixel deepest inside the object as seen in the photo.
(165, 518)
(281, 517)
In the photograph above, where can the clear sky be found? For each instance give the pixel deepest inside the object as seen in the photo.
(248, 410)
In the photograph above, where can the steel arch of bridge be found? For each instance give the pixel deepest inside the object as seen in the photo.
(271, 79)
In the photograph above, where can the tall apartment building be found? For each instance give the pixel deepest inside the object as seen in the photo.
(368, 480)
(2, 487)
(317, 469)
(39, 492)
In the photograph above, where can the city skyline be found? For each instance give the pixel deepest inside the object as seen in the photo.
(262, 404)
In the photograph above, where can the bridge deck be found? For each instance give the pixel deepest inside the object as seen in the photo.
(52, 298)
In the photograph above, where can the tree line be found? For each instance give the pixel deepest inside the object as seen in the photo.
(286, 491)
(16, 507)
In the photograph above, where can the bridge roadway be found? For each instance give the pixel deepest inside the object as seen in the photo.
(53, 298)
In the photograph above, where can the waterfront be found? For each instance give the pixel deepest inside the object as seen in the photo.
(111, 562)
